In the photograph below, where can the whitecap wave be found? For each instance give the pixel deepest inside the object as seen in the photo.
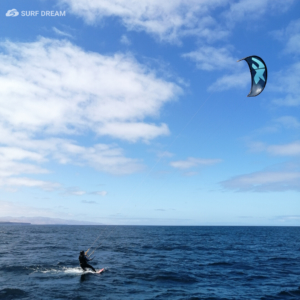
(66, 270)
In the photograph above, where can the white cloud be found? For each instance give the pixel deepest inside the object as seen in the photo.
(293, 44)
(193, 162)
(11, 165)
(106, 158)
(291, 149)
(265, 181)
(25, 152)
(50, 87)
(171, 20)
(77, 193)
(8, 208)
(190, 174)
(13, 153)
(168, 20)
(62, 33)
(103, 157)
(66, 90)
(12, 168)
(99, 193)
(254, 9)
(125, 40)
(287, 218)
(290, 36)
(210, 58)
(287, 82)
(288, 122)
(275, 126)
(289, 100)
(286, 86)
(236, 80)
(286, 150)
(88, 202)
(162, 154)
(133, 130)
(15, 182)
(17, 212)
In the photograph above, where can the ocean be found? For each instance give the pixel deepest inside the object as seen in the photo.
(150, 262)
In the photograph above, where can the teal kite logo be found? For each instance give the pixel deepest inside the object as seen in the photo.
(259, 70)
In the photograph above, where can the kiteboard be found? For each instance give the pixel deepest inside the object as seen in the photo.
(100, 271)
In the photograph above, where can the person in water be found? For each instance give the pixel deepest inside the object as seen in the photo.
(83, 262)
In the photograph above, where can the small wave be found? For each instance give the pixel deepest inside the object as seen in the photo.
(12, 293)
(280, 258)
(220, 263)
(147, 247)
(292, 293)
(176, 278)
(256, 277)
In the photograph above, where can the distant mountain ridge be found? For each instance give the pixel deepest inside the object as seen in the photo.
(14, 223)
(44, 221)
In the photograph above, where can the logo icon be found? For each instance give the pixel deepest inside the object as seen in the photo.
(12, 13)
(259, 70)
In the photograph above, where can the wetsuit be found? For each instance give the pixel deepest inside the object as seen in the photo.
(83, 262)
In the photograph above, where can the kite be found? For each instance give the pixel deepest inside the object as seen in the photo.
(259, 74)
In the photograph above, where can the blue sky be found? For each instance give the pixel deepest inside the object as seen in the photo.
(125, 112)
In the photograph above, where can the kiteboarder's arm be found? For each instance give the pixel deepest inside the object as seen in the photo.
(88, 258)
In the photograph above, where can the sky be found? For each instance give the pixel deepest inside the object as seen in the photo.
(136, 112)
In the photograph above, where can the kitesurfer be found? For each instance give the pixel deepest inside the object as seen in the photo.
(83, 261)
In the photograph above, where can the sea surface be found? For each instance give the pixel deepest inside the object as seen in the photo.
(150, 262)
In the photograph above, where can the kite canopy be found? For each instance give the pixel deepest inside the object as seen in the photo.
(259, 74)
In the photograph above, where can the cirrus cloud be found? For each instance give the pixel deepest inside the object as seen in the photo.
(171, 20)
(290, 36)
(167, 20)
(210, 58)
(291, 149)
(264, 181)
(255, 9)
(226, 82)
(193, 162)
(287, 86)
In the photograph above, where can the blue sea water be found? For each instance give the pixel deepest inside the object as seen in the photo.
(149, 262)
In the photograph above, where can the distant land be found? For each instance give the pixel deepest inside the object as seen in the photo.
(42, 221)
(14, 223)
